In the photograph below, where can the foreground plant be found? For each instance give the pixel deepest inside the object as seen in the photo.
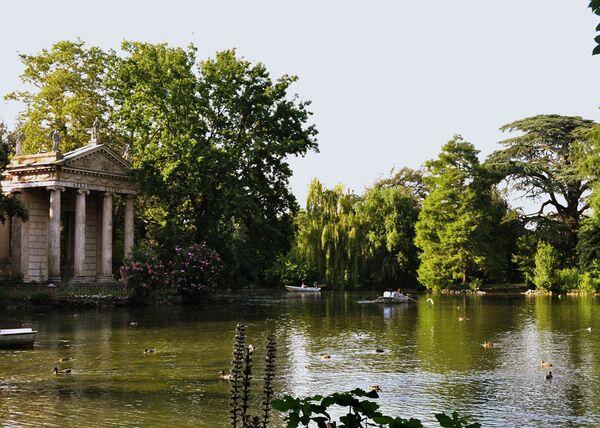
(361, 413)
(241, 382)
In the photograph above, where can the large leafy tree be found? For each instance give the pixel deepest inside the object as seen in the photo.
(67, 93)
(456, 225)
(329, 235)
(543, 162)
(210, 147)
(387, 216)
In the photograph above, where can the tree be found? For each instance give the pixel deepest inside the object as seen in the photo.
(411, 180)
(387, 217)
(546, 266)
(455, 226)
(544, 162)
(9, 205)
(69, 94)
(210, 148)
(329, 235)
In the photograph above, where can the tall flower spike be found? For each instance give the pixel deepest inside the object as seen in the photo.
(268, 380)
(237, 365)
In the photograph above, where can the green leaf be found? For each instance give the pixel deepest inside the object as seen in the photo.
(445, 420)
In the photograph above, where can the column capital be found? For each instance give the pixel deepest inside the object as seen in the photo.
(83, 191)
(59, 188)
(16, 191)
(108, 194)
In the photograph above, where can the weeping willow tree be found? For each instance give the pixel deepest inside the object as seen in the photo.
(329, 234)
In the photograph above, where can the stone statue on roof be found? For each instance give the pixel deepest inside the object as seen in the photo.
(95, 128)
(18, 143)
(55, 137)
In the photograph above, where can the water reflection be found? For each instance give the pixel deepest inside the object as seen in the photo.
(433, 359)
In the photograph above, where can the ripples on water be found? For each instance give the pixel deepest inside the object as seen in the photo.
(432, 361)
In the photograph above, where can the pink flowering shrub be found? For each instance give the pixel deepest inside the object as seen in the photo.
(190, 273)
(195, 271)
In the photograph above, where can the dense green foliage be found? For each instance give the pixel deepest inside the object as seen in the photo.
(68, 93)
(457, 226)
(359, 240)
(233, 129)
(329, 235)
(388, 216)
(546, 265)
(543, 163)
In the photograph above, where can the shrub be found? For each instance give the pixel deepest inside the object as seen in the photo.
(476, 284)
(567, 279)
(546, 264)
(588, 283)
(146, 277)
(190, 273)
(195, 271)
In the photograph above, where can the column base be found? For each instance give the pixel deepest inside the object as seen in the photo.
(79, 279)
(105, 279)
(54, 280)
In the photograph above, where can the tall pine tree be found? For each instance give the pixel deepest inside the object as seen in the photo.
(458, 220)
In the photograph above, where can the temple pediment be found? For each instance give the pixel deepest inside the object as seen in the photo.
(95, 159)
(92, 167)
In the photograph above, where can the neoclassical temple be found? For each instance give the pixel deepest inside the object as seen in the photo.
(69, 199)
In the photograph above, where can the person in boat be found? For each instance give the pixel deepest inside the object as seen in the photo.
(303, 285)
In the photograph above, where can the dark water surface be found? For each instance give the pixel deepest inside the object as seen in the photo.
(432, 361)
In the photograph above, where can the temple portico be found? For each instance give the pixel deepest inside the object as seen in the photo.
(70, 200)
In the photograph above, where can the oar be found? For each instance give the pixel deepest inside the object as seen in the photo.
(411, 299)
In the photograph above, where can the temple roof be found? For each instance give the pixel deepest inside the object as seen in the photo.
(93, 167)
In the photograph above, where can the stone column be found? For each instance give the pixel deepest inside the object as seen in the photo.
(54, 234)
(128, 240)
(79, 238)
(106, 239)
(17, 266)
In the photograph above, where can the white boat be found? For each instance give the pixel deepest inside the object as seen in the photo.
(303, 289)
(393, 297)
(17, 338)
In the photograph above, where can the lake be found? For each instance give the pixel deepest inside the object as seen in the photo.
(432, 361)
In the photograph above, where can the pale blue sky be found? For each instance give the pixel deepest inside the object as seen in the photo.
(391, 81)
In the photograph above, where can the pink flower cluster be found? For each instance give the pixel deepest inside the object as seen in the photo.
(191, 271)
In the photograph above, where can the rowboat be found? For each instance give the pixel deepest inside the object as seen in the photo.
(17, 338)
(303, 289)
(392, 297)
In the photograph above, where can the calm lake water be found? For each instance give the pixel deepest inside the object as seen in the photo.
(432, 361)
